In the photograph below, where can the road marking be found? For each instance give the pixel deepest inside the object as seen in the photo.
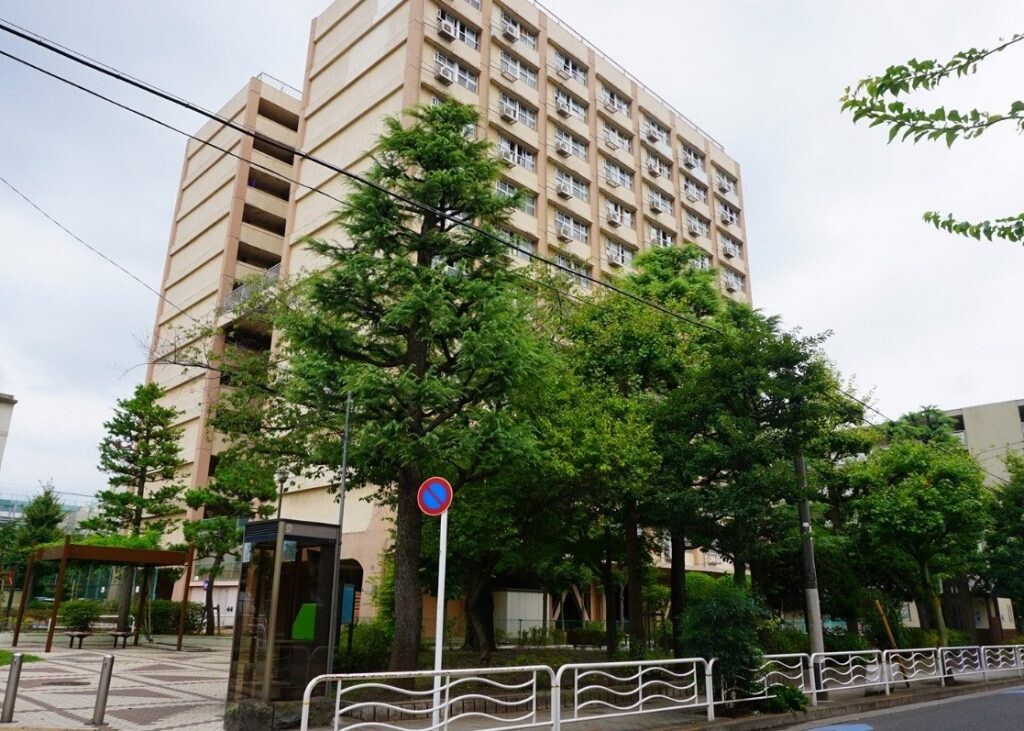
(845, 727)
(1014, 692)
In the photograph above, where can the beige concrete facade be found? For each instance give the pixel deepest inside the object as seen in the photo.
(990, 431)
(7, 403)
(609, 167)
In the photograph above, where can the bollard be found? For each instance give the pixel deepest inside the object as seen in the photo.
(102, 691)
(11, 692)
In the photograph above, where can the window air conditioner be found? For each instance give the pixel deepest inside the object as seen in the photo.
(614, 217)
(563, 108)
(563, 232)
(510, 31)
(564, 190)
(508, 157)
(444, 74)
(564, 73)
(563, 148)
(446, 29)
(508, 113)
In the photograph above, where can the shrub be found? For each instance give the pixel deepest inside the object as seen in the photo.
(164, 613)
(917, 637)
(958, 638)
(371, 646)
(785, 698)
(78, 614)
(845, 642)
(784, 641)
(723, 623)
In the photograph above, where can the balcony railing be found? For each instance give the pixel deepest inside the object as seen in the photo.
(240, 294)
(279, 85)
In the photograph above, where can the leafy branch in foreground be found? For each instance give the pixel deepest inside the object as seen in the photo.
(877, 99)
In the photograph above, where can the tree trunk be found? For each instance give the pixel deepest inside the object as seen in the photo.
(214, 572)
(480, 612)
(124, 598)
(739, 572)
(611, 600)
(408, 593)
(934, 606)
(677, 589)
(635, 595)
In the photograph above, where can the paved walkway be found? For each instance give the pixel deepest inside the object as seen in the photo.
(153, 687)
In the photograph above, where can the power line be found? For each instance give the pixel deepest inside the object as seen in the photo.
(125, 78)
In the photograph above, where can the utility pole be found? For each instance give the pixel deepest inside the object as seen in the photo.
(336, 587)
(812, 607)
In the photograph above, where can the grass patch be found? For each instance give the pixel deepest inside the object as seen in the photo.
(7, 655)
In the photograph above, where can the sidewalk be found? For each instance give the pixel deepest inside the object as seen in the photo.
(153, 687)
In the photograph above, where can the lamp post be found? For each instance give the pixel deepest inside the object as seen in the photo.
(282, 477)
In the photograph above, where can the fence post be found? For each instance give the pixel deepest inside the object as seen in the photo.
(939, 668)
(556, 701)
(103, 691)
(984, 663)
(709, 686)
(814, 671)
(1018, 653)
(11, 692)
(885, 669)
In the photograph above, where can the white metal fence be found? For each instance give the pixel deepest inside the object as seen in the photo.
(518, 697)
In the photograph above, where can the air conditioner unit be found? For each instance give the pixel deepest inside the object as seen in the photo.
(444, 74)
(510, 31)
(611, 142)
(563, 232)
(731, 285)
(510, 75)
(614, 217)
(691, 196)
(730, 251)
(613, 183)
(610, 107)
(689, 162)
(564, 73)
(509, 113)
(508, 157)
(657, 205)
(564, 190)
(694, 229)
(617, 258)
(653, 135)
(723, 186)
(446, 29)
(563, 108)
(563, 148)
(654, 168)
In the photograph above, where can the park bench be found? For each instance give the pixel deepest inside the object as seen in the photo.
(122, 635)
(77, 636)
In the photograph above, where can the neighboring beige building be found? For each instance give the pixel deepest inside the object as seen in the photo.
(990, 431)
(7, 403)
(609, 167)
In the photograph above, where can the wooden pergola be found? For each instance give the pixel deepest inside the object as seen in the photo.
(145, 557)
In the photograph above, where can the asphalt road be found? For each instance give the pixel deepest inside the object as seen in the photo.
(999, 711)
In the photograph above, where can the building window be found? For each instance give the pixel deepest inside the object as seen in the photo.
(512, 69)
(692, 158)
(527, 201)
(657, 236)
(474, 4)
(727, 214)
(569, 186)
(696, 225)
(658, 167)
(658, 202)
(618, 214)
(616, 139)
(567, 227)
(516, 154)
(568, 67)
(655, 132)
(514, 29)
(569, 144)
(702, 262)
(731, 248)
(569, 106)
(462, 75)
(618, 254)
(521, 247)
(732, 281)
(616, 175)
(514, 110)
(579, 270)
(613, 101)
(724, 182)
(449, 25)
(694, 191)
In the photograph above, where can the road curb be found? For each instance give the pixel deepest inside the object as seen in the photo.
(845, 708)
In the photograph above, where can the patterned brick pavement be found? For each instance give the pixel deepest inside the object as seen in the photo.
(153, 688)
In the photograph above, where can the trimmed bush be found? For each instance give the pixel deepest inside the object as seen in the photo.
(79, 614)
(371, 648)
(164, 617)
(786, 698)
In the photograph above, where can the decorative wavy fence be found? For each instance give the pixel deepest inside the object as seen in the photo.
(536, 696)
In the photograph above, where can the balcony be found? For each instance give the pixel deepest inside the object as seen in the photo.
(240, 294)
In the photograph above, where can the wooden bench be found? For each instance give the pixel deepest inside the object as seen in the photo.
(77, 636)
(122, 635)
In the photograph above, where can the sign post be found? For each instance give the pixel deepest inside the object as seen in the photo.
(434, 498)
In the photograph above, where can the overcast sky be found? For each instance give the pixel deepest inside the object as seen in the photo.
(836, 240)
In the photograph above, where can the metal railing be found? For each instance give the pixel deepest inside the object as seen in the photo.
(279, 85)
(588, 691)
(241, 293)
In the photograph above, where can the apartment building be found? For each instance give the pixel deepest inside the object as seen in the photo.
(7, 403)
(989, 431)
(609, 169)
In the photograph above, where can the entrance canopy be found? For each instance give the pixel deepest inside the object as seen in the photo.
(88, 553)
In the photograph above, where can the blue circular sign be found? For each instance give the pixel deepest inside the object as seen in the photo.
(434, 496)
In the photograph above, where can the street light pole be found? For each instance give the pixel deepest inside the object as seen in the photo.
(282, 477)
(336, 586)
(812, 610)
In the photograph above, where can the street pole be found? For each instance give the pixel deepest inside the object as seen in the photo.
(442, 562)
(336, 586)
(282, 477)
(812, 607)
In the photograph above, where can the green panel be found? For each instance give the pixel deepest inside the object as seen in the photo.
(304, 626)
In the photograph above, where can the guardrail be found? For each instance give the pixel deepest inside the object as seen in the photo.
(588, 691)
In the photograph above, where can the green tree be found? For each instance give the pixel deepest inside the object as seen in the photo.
(139, 451)
(1004, 542)
(241, 489)
(40, 523)
(879, 100)
(420, 318)
(925, 500)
